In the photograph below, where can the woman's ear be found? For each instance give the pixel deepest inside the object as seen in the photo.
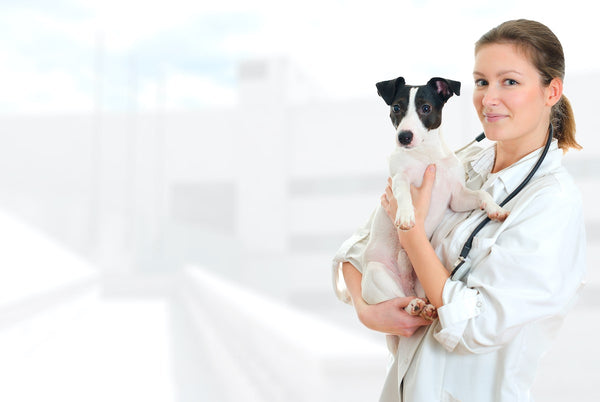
(554, 91)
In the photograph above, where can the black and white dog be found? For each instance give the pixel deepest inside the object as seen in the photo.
(416, 113)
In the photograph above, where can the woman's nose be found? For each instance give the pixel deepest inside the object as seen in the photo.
(490, 97)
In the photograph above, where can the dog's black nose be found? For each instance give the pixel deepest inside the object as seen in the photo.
(405, 137)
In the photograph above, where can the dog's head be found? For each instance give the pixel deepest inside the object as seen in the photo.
(416, 111)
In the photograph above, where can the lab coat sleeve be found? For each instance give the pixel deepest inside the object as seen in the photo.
(533, 270)
(351, 251)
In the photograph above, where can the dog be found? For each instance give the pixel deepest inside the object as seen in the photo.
(416, 114)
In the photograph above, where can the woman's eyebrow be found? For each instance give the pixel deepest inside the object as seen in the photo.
(499, 73)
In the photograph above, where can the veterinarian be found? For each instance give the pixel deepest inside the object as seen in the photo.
(522, 276)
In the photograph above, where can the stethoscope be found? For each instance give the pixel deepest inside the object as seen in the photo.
(457, 273)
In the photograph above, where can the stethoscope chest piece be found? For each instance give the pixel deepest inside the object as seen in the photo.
(461, 267)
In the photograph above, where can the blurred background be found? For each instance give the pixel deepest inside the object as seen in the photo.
(175, 179)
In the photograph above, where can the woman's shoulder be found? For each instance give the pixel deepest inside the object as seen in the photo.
(559, 181)
(550, 194)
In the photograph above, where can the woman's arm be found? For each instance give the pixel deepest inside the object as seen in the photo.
(388, 317)
(429, 269)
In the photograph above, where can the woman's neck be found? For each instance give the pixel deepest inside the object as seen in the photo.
(508, 153)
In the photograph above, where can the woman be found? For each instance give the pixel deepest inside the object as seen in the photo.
(523, 274)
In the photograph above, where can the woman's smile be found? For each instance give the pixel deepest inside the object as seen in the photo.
(493, 117)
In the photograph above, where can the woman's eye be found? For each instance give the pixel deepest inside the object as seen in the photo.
(426, 109)
(396, 109)
(510, 82)
(480, 83)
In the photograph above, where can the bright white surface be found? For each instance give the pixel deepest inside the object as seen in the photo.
(115, 351)
(32, 263)
(570, 370)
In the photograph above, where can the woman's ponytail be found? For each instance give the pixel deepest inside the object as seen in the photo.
(563, 121)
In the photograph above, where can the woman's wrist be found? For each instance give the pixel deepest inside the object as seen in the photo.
(408, 238)
(429, 269)
(362, 311)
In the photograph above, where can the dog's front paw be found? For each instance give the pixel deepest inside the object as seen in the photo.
(429, 312)
(405, 219)
(415, 306)
(423, 308)
(494, 211)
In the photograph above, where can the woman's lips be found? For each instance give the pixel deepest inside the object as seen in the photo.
(493, 117)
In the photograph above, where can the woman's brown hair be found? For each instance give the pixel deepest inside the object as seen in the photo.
(546, 53)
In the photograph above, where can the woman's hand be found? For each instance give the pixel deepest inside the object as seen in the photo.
(390, 317)
(421, 198)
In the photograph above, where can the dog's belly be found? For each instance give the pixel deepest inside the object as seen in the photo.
(440, 202)
(447, 177)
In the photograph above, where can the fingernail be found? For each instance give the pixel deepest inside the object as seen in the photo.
(431, 168)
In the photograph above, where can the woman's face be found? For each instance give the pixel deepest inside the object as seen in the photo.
(513, 106)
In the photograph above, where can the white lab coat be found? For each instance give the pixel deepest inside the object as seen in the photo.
(523, 275)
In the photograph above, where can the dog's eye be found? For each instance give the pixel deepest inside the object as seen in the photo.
(426, 109)
(396, 109)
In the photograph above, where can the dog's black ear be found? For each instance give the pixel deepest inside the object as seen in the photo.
(387, 89)
(445, 88)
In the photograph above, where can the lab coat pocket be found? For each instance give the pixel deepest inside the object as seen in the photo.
(481, 248)
(484, 243)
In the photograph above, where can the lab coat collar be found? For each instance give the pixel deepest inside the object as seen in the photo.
(513, 175)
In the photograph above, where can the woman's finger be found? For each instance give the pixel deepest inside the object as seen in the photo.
(424, 192)
(428, 177)
(388, 192)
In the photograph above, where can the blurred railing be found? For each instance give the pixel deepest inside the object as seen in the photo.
(42, 287)
(258, 349)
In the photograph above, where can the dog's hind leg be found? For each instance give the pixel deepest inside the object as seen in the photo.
(379, 283)
(380, 277)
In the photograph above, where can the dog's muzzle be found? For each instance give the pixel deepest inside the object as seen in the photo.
(405, 137)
